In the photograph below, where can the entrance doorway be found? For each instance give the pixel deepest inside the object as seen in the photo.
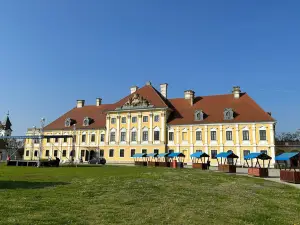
(92, 154)
(87, 155)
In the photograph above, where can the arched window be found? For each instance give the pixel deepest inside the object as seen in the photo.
(156, 134)
(133, 134)
(198, 135)
(228, 114)
(123, 135)
(199, 115)
(145, 134)
(112, 135)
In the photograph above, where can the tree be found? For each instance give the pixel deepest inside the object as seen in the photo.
(283, 136)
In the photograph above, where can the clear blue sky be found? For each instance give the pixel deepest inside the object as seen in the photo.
(55, 52)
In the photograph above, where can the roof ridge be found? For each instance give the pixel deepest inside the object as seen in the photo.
(256, 104)
(159, 95)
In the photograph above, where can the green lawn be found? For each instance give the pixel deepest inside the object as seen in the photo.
(136, 195)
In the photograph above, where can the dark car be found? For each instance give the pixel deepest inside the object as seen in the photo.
(98, 161)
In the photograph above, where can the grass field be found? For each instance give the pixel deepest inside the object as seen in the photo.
(136, 195)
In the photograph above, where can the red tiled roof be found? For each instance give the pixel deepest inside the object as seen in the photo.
(149, 93)
(98, 113)
(245, 109)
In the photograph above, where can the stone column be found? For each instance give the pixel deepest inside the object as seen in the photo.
(128, 128)
(163, 124)
(254, 137)
(272, 146)
(151, 128)
(107, 130)
(118, 130)
(221, 139)
(139, 128)
(237, 143)
(177, 139)
(206, 139)
(191, 142)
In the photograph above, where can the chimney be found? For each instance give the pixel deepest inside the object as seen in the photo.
(236, 91)
(189, 95)
(80, 103)
(133, 89)
(148, 83)
(98, 101)
(164, 90)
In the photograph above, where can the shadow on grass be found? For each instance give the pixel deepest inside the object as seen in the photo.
(28, 184)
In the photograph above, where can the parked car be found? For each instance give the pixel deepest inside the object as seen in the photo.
(98, 161)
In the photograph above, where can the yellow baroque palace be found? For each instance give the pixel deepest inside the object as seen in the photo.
(147, 121)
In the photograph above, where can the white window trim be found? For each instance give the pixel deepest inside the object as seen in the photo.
(246, 142)
(198, 141)
(262, 142)
(213, 142)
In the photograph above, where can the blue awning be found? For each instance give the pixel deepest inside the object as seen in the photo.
(227, 155)
(286, 156)
(139, 155)
(152, 155)
(176, 154)
(162, 155)
(199, 155)
(257, 155)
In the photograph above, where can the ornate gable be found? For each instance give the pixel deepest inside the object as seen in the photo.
(136, 101)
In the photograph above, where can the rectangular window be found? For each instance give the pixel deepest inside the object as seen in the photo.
(245, 135)
(198, 136)
(65, 139)
(156, 151)
(144, 151)
(27, 153)
(264, 151)
(83, 137)
(171, 150)
(198, 150)
(145, 135)
(56, 140)
(101, 153)
(121, 152)
(101, 137)
(133, 119)
(156, 135)
(35, 141)
(93, 138)
(156, 118)
(123, 136)
(214, 154)
(112, 136)
(123, 120)
(145, 119)
(171, 136)
(47, 153)
(111, 153)
(132, 152)
(64, 154)
(213, 135)
(35, 153)
(246, 152)
(229, 135)
(184, 136)
(263, 135)
(82, 153)
(48, 140)
(113, 120)
(133, 136)
(55, 153)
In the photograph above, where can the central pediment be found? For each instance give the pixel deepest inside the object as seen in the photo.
(136, 101)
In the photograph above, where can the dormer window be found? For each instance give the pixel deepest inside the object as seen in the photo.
(86, 121)
(228, 114)
(199, 115)
(68, 122)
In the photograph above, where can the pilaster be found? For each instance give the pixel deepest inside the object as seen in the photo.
(151, 128)
(139, 128)
(128, 128)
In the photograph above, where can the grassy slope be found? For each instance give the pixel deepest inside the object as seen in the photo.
(135, 195)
